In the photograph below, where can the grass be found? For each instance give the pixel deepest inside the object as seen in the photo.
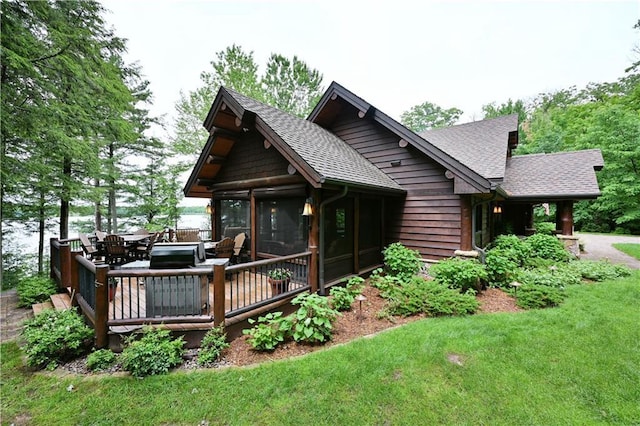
(629, 248)
(576, 364)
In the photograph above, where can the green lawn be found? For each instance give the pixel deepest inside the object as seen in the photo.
(629, 248)
(576, 364)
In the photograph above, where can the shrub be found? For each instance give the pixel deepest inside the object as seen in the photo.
(154, 353)
(553, 276)
(313, 321)
(429, 297)
(101, 360)
(459, 273)
(545, 228)
(401, 261)
(270, 330)
(55, 336)
(517, 249)
(501, 266)
(384, 283)
(547, 247)
(212, 345)
(343, 297)
(35, 289)
(600, 270)
(533, 296)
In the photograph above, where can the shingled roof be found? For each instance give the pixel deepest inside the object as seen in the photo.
(480, 145)
(332, 159)
(558, 175)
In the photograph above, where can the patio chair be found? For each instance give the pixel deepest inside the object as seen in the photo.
(224, 248)
(90, 251)
(100, 235)
(188, 235)
(117, 251)
(143, 251)
(238, 248)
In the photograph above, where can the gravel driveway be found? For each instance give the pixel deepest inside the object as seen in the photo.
(600, 247)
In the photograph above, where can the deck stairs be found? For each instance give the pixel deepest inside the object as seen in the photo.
(59, 302)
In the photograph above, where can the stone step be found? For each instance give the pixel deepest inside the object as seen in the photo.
(39, 307)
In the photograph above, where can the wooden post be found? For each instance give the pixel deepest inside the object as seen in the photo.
(313, 243)
(102, 306)
(465, 223)
(564, 218)
(75, 281)
(65, 265)
(218, 294)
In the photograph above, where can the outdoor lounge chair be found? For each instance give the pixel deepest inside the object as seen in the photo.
(239, 247)
(224, 248)
(143, 251)
(188, 235)
(90, 251)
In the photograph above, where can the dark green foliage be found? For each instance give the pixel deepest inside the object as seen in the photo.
(270, 330)
(463, 274)
(35, 289)
(429, 116)
(600, 270)
(533, 296)
(53, 337)
(101, 360)
(212, 345)
(382, 282)
(313, 321)
(153, 353)
(401, 261)
(547, 247)
(546, 228)
(427, 296)
(517, 248)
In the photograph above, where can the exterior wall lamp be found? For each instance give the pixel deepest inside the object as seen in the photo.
(497, 209)
(308, 207)
(208, 209)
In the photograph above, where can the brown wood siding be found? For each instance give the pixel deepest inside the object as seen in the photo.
(248, 159)
(428, 219)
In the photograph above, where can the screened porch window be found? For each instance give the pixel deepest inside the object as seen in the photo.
(281, 226)
(234, 218)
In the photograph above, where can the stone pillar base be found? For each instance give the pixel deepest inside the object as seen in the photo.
(571, 243)
(467, 254)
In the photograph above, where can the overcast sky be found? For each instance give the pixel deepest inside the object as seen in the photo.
(394, 54)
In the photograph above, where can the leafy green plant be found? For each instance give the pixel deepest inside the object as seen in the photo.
(53, 337)
(212, 345)
(269, 331)
(35, 289)
(154, 353)
(559, 276)
(101, 360)
(533, 296)
(342, 298)
(599, 270)
(547, 247)
(384, 283)
(401, 261)
(516, 248)
(501, 266)
(430, 297)
(313, 321)
(546, 228)
(462, 274)
(355, 285)
(280, 274)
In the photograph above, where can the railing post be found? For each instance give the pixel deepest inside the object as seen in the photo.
(65, 265)
(75, 280)
(102, 306)
(218, 294)
(52, 257)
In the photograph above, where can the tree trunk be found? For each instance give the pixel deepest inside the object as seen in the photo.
(98, 213)
(64, 199)
(41, 229)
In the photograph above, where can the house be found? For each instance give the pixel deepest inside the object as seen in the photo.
(369, 181)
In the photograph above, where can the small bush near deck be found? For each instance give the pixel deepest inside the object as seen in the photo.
(547, 247)
(212, 345)
(53, 337)
(553, 276)
(539, 296)
(546, 228)
(343, 297)
(501, 266)
(384, 283)
(313, 321)
(35, 289)
(101, 360)
(401, 261)
(599, 270)
(517, 249)
(429, 297)
(463, 274)
(270, 330)
(154, 353)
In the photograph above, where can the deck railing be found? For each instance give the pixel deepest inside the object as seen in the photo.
(189, 295)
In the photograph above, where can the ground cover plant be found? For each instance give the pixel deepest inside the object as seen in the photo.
(35, 289)
(155, 352)
(632, 250)
(574, 364)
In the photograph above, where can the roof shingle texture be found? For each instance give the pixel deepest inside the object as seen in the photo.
(480, 145)
(560, 174)
(324, 152)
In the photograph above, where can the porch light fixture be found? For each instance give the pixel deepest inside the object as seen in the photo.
(208, 209)
(308, 207)
(497, 209)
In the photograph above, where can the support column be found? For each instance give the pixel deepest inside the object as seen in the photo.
(465, 223)
(564, 217)
(314, 227)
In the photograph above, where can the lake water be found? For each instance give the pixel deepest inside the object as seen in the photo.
(19, 239)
